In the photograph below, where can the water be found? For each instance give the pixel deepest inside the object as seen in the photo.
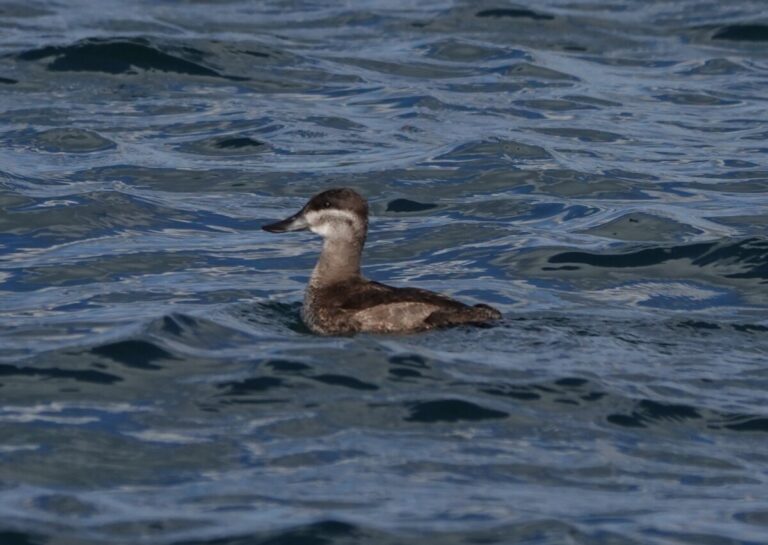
(597, 170)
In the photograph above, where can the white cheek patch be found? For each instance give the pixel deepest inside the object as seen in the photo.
(330, 230)
(332, 223)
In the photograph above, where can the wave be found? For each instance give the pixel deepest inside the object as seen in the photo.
(740, 259)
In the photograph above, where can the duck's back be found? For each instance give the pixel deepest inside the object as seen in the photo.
(361, 305)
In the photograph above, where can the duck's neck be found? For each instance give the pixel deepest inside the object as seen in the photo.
(339, 261)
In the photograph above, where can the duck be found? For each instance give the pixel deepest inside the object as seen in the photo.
(339, 300)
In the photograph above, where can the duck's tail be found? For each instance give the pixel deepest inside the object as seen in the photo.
(487, 311)
(476, 315)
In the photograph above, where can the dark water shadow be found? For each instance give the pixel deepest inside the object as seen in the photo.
(567, 390)
(512, 13)
(120, 56)
(89, 375)
(406, 205)
(272, 314)
(20, 538)
(239, 142)
(287, 366)
(226, 146)
(451, 410)
(323, 532)
(743, 33)
(647, 412)
(251, 386)
(138, 354)
(344, 381)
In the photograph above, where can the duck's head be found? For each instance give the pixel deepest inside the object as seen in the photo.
(339, 213)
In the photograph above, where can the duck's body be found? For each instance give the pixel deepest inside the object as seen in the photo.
(362, 305)
(339, 300)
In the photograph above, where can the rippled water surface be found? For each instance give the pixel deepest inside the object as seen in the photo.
(598, 170)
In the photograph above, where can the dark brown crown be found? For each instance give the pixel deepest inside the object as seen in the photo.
(339, 198)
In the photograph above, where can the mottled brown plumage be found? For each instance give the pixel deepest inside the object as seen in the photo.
(339, 300)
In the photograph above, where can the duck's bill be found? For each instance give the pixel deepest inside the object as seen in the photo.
(297, 222)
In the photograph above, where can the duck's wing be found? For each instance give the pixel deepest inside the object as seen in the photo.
(381, 308)
(374, 294)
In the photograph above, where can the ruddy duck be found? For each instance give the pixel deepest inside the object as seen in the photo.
(339, 300)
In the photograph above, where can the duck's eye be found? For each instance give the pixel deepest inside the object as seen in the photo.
(327, 204)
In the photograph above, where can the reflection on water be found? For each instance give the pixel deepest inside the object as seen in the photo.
(595, 170)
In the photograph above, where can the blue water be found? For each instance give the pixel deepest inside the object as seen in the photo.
(596, 170)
